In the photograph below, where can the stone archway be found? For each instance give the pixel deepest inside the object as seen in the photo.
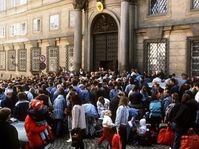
(104, 31)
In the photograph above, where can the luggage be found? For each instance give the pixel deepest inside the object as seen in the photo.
(165, 136)
(190, 141)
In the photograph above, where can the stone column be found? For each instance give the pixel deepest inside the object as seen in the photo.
(132, 33)
(77, 56)
(124, 36)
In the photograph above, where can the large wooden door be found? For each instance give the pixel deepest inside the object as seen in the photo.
(105, 42)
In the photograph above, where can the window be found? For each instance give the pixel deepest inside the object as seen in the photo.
(37, 25)
(193, 56)
(18, 29)
(158, 7)
(2, 5)
(156, 55)
(53, 61)
(11, 60)
(35, 62)
(2, 31)
(54, 22)
(195, 4)
(69, 58)
(14, 3)
(2, 60)
(22, 59)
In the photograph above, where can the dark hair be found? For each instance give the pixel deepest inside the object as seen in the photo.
(185, 98)
(76, 100)
(43, 98)
(22, 96)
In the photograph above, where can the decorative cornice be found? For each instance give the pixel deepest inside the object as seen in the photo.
(79, 4)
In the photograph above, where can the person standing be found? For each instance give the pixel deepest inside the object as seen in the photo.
(59, 106)
(8, 133)
(78, 120)
(121, 121)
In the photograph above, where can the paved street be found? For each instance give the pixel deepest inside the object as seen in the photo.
(90, 144)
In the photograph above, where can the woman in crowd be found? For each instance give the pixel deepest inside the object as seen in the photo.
(78, 120)
(121, 121)
(184, 118)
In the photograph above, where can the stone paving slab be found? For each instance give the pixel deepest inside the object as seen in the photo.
(91, 144)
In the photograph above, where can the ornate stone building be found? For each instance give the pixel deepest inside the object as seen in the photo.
(44, 35)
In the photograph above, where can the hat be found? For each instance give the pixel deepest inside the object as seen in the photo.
(36, 104)
(4, 113)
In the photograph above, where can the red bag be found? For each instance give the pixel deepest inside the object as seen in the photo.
(116, 142)
(166, 136)
(190, 141)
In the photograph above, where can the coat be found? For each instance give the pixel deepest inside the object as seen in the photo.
(33, 132)
(78, 117)
(8, 136)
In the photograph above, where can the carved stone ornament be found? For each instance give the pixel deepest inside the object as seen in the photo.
(79, 4)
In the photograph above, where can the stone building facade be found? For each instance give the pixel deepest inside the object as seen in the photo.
(46, 35)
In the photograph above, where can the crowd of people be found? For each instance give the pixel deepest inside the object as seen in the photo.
(98, 104)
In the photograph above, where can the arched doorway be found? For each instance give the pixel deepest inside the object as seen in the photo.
(105, 42)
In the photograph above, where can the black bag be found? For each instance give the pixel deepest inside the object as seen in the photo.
(146, 139)
(77, 136)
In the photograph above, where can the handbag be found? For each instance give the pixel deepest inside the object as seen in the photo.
(165, 136)
(76, 134)
(116, 142)
(190, 141)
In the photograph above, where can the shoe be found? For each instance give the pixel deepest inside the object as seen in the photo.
(69, 140)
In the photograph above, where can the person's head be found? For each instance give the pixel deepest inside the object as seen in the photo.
(185, 98)
(123, 101)
(108, 113)
(166, 92)
(9, 93)
(76, 100)
(21, 96)
(60, 91)
(101, 100)
(5, 114)
(175, 98)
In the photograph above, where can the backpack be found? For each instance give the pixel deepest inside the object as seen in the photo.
(155, 109)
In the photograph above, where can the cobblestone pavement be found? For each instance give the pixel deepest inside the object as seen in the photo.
(91, 144)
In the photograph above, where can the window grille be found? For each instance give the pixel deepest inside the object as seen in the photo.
(35, 62)
(2, 60)
(194, 57)
(69, 58)
(53, 61)
(156, 55)
(158, 7)
(22, 59)
(11, 60)
(195, 4)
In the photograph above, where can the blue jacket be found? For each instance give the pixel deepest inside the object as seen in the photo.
(59, 105)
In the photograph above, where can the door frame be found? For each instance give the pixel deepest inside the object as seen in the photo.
(90, 37)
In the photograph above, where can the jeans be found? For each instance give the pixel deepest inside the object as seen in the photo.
(58, 127)
(123, 135)
(179, 131)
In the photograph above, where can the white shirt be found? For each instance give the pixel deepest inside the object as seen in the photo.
(107, 121)
(197, 97)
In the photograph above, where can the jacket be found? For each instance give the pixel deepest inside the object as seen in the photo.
(78, 117)
(33, 132)
(8, 136)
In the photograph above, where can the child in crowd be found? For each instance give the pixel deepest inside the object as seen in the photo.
(107, 128)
